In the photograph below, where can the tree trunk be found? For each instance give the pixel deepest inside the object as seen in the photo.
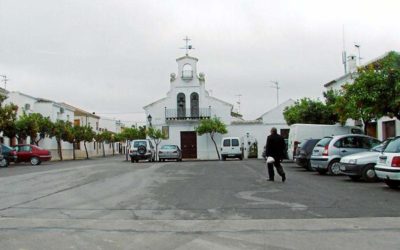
(113, 148)
(73, 151)
(104, 151)
(156, 152)
(216, 148)
(59, 149)
(127, 147)
(87, 154)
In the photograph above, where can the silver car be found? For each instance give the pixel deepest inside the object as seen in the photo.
(327, 153)
(361, 165)
(170, 152)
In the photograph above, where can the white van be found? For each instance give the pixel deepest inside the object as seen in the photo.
(299, 132)
(231, 148)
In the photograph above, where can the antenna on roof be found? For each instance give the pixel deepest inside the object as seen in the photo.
(344, 56)
(277, 91)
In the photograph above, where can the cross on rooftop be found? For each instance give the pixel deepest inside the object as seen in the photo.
(187, 46)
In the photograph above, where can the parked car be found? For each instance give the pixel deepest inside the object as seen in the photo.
(142, 150)
(170, 152)
(387, 167)
(303, 153)
(361, 165)
(7, 155)
(329, 150)
(31, 153)
(231, 148)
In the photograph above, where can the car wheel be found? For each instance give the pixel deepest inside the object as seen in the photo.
(132, 160)
(392, 184)
(223, 158)
(159, 160)
(321, 171)
(4, 163)
(369, 174)
(241, 158)
(308, 166)
(35, 161)
(334, 167)
(355, 178)
(136, 161)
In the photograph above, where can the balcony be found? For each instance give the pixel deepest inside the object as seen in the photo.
(187, 114)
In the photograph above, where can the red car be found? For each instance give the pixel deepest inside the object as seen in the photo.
(32, 154)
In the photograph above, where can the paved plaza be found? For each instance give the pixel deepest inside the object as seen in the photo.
(113, 204)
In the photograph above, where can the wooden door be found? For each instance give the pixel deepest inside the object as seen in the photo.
(371, 129)
(389, 129)
(189, 144)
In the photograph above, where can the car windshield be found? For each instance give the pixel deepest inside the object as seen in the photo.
(393, 146)
(139, 143)
(324, 141)
(168, 147)
(6, 148)
(378, 148)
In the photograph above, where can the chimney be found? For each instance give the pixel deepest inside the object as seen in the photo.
(352, 63)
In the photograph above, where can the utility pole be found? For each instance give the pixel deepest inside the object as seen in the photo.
(277, 91)
(5, 80)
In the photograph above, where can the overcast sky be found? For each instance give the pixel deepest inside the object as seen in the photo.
(113, 57)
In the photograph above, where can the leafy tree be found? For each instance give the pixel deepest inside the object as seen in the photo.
(31, 125)
(84, 134)
(374, 92)
(310, 111)
(107, 137)
(157, 136)
(61, 132)
(100, 137)
(8, 116)
(212, 127)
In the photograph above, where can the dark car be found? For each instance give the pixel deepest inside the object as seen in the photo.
(31, 153)
(170, 152)
(7, 155)
(303, 153)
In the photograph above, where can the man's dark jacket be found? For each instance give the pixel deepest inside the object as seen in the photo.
(275, 146)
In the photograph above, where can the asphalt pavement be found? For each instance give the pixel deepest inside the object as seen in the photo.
(108, 203)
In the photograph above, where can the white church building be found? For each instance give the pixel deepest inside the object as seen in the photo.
(188, 102)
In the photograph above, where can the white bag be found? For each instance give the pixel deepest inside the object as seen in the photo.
(270, 159)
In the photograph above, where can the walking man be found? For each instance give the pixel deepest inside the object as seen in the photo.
(275, 148)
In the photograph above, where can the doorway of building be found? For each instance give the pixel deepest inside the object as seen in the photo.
(389, 129)
(189, 144)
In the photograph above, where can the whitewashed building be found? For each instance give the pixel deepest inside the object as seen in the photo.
(47, 108)
(188, 102)
(382, 128)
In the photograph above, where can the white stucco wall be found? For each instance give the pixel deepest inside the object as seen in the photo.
(380, 126)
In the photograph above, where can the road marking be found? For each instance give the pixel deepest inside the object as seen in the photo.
(251, 196)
